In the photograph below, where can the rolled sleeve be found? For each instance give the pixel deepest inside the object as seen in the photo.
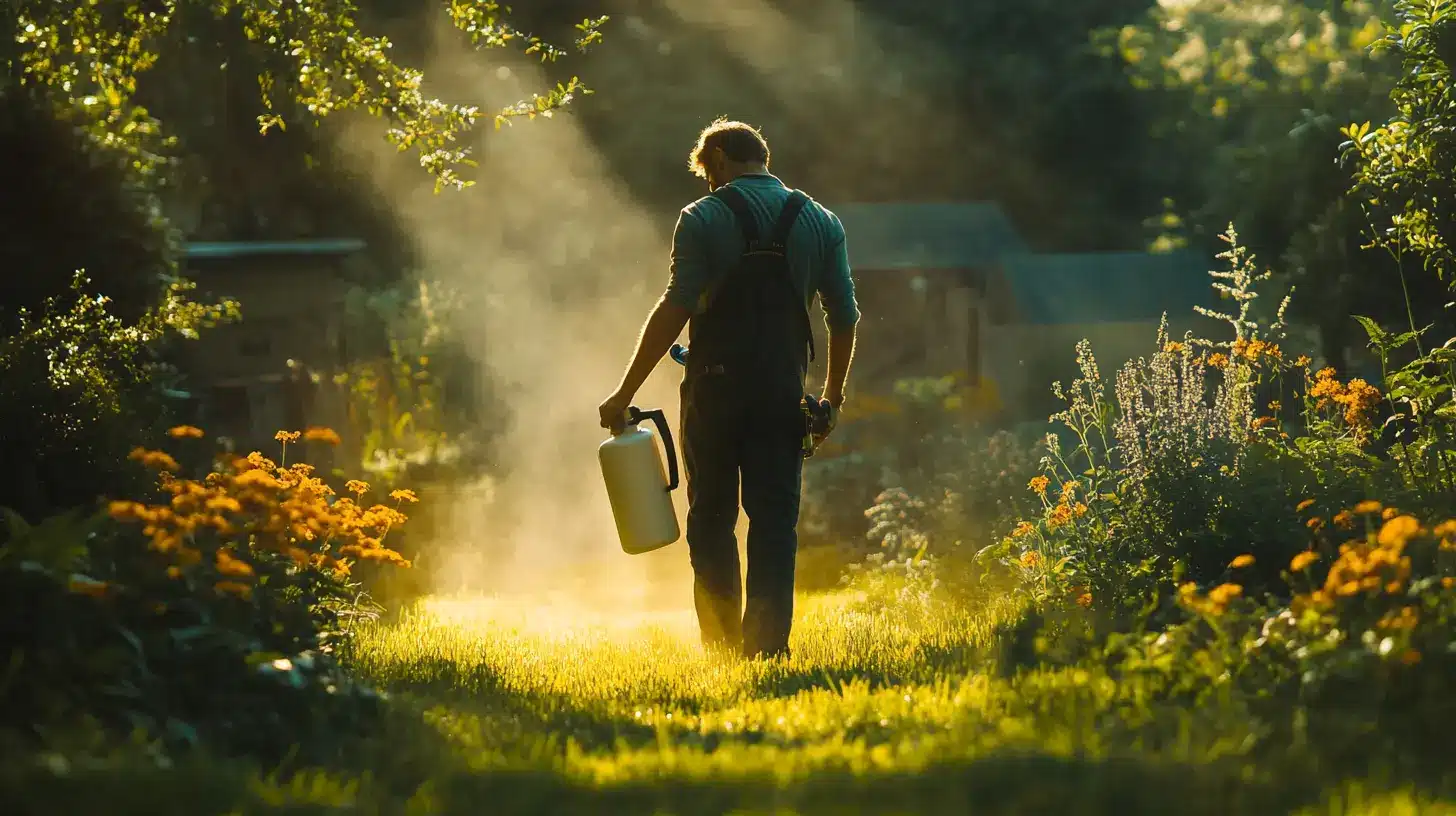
(688, 275)
(836, 288)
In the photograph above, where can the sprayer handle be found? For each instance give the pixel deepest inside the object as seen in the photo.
(636, 415)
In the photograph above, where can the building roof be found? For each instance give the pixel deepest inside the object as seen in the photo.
(953, 235)
(1053, 289)
(240, 249)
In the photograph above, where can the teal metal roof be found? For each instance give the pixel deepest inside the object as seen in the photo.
(927, 235)
(1058, 289)
(241, 249)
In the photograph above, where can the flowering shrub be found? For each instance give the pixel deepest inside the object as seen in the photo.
(219, 607)
(1179, 469)
(249, 509)
(1362, 649)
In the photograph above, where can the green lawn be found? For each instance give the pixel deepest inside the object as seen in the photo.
(890, 705)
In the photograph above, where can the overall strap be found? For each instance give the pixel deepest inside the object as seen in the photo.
(737, 202)
(742, 213)
(779, 238)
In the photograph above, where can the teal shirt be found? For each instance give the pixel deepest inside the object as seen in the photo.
(707, 244)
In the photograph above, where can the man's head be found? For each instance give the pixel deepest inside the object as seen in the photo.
(726, 150)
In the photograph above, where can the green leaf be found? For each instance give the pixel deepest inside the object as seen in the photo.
(1377, 335)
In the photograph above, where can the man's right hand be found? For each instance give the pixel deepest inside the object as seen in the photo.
(824, 425)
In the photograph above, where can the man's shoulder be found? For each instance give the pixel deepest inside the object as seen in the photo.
(706, 208)
(827, 216)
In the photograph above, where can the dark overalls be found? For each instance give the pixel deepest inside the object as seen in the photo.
(742, 419)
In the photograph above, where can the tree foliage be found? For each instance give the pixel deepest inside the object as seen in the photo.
(1259, 92)
(94, 52)
(1406, 167)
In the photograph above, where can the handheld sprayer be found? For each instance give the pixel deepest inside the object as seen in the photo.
(639, 490)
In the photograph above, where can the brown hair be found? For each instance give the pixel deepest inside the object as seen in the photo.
(739, 142)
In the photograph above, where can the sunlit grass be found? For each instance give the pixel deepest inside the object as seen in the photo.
(893, 702)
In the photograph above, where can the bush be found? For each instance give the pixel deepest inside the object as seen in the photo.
(1182, 469)
(78, 385)
(214, 613)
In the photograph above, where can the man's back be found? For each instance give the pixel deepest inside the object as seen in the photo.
(708, 244)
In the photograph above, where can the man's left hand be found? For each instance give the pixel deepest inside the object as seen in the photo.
(614, 411)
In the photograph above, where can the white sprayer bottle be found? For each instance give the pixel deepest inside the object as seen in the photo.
(637, 486)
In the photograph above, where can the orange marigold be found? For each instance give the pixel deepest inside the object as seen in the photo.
(1301, 562)
(324, 435)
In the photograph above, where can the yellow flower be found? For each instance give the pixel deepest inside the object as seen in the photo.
(1222, 594)
(1218, 360)
(1084, 600)
(185, 432)
(1302, 361)
(1030, 559)
(1344, 519)
(1242, 561)
(1304, 505)
(287, 436)
(1038, 484)
(1174, 347)
(404, 495)
(325, 435)
(229, 565)
(1368, 506)
(1399, 530)
(1389, 513)
(356, 487)
(155, 460)
(234, 588)
(1079, 509)
(1302, 561)
(1023, 529)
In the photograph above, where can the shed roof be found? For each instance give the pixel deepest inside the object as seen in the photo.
(927, 235)
(240, 249)
(1051, 289)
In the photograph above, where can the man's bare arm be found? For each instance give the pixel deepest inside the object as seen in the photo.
(841, 354)
(663, 326)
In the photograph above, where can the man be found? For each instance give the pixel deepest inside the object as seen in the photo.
(747, 261)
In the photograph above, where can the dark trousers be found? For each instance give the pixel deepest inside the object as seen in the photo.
(736, 434)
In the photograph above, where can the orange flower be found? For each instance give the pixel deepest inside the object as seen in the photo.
(1023, 529)
(1084, 600)
(1344, 519)
(1368, 506)
(234, 588)
(1030, 559)
(325, 435)
(185, 432)
(356, 487)
(154, 460)
(229, 565)
(287, 436)
(1304, 505)
(1038, 484)
(1218, 360)
(404, 495)
(1302, 561)
(1242, 561)
(1224, 593)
